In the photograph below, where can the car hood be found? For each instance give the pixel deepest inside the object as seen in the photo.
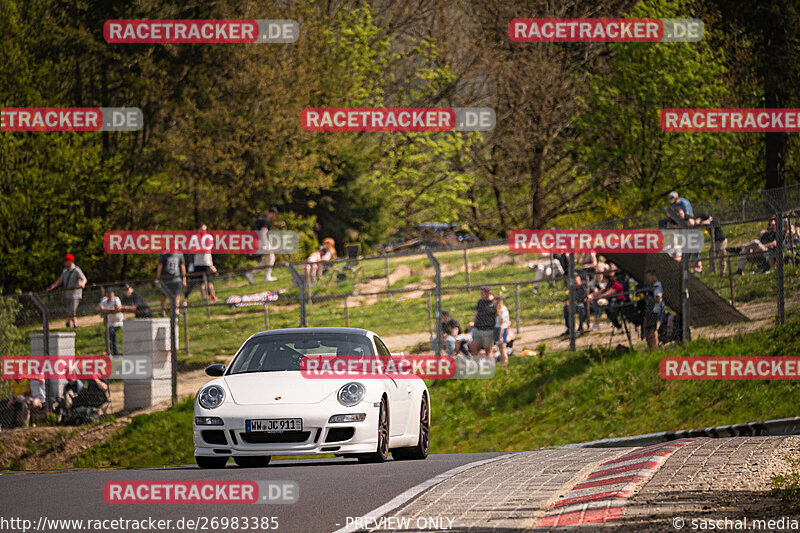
(279, 388)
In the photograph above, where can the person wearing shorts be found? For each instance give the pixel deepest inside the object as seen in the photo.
(171, 272)
(203, 264)
(73, 280)
(654, 310)
(483, 330)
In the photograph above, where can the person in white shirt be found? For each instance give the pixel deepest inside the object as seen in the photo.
(204, 264)
(110, 308)
(502, 323)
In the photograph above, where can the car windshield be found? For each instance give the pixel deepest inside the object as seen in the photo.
(283, 352)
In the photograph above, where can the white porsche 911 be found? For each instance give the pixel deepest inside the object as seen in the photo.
(263, 405)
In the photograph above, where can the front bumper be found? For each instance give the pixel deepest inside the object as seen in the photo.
(315, 438)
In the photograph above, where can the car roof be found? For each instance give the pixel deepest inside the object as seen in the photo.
(350, 331)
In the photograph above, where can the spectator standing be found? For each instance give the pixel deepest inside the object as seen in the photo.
(760, 249)
(203, 265)
(580, 306)
(133, 302)
(483, 330)
(502, 324)
(171, 272)
(263, 225)
(110, 308)
(654, 309)
(73, 280)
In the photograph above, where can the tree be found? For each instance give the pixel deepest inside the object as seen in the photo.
(620, 139)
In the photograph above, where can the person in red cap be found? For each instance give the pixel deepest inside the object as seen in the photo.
(73, 280)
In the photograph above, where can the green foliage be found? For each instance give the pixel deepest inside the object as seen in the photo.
(142, 442)
(787, 486)
(621, 141)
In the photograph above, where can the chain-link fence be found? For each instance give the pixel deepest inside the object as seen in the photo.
(401, 297)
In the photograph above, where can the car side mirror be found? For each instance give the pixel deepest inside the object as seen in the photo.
(215, 370)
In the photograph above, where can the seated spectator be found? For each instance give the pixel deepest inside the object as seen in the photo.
(453, 339)
(580, 307)
(317, 261)
(38, 399)
(551, 269)
(483, 331)
(608, 297)
(133, 302)
(110, 308)
(63, 405)
(94, 395)
(717, 251)
(760, 250)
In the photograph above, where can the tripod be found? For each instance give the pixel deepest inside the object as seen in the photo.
(623, 322)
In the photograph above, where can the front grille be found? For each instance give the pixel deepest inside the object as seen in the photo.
(266, 438)
(339, 434)
(214, 436)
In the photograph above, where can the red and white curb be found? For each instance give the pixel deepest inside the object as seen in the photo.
(602, 496)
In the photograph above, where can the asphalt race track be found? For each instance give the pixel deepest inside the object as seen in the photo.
(330, 491)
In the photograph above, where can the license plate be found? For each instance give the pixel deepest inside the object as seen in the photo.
(273, 425)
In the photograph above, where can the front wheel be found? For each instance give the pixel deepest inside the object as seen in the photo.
(382, 453)
(251, 461)
(210, 462)
(420, 451)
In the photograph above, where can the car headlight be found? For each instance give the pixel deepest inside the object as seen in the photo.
(211, 397)
(351, 393)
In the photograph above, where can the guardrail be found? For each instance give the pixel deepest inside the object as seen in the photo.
(781, 426)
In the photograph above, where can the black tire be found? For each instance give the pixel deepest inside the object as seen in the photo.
(382, 453)
(210, 462)
(251, 461)
(420, 451)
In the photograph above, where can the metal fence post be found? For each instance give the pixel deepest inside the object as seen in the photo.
(386, 271)
(105, 334)
(516, 304)
(779, 267)
(346, 313)
(430, 314)
(466, 267)
(205, 284)
(572, 305)
(686, 335)
(301, 285)
(438, 288)
(266, 316)
(730, 276)
(186, 329)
